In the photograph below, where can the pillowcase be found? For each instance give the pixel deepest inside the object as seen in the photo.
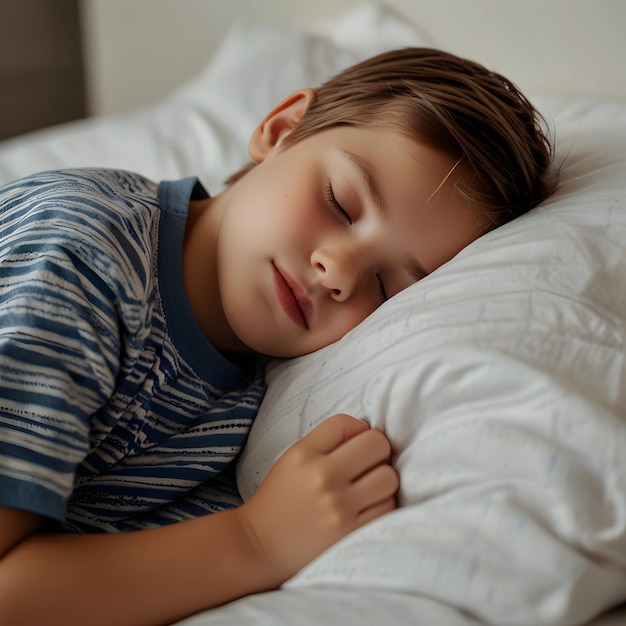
(500, 380)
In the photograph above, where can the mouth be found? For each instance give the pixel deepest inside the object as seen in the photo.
(291, 297)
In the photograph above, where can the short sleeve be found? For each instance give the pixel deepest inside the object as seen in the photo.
(59, 344)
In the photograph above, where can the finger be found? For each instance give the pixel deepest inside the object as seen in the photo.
(376, 511)
(360, 454)
(333, 432)
(376, 486)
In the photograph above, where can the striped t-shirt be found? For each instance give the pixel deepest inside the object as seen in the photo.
(115, 410)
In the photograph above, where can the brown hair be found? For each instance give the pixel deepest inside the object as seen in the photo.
(476, 116)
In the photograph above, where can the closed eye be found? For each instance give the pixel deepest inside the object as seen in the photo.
(381, 289)
(333, 203)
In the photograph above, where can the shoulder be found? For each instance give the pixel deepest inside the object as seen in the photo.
(96, 180)
(79, 209)
(89, 188)
(70, 193)
(80, 232)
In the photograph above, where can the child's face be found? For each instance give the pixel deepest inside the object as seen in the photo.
(319, 234)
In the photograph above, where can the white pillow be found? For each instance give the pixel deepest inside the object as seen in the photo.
(501, 382)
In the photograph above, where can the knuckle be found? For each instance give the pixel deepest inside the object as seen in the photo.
(389, 473)
(338, 517)
(339, 420)
(389, 505)
(298, 454)
(392, 476)
(382, 440)
(322, 478)
(378, 441)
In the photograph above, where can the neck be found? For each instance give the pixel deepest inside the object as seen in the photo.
(200, 273)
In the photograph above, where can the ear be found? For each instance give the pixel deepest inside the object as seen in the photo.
(278, 122)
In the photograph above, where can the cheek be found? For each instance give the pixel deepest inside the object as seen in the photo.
(251, 219)
(295, 224)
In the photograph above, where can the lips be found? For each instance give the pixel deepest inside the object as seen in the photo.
(291, 297)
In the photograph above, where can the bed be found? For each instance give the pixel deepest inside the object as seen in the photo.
(500, 379)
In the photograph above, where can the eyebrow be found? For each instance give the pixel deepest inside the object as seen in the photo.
(413, 266)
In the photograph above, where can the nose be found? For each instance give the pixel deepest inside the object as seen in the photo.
(339, 270)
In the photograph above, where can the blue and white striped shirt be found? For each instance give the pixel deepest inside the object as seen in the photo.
(115, 410)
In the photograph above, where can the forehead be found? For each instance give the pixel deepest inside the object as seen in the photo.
(384, 156)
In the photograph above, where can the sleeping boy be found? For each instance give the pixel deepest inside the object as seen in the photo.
(134, 318)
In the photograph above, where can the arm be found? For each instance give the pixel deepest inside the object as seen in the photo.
(331, 482)
(14, 526)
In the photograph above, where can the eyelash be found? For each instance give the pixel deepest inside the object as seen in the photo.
(343, 214)
(381, 289)
(335, 206)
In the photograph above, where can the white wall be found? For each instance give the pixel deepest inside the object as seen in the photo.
(139, 50)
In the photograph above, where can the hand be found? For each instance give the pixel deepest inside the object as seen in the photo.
(328, 484)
